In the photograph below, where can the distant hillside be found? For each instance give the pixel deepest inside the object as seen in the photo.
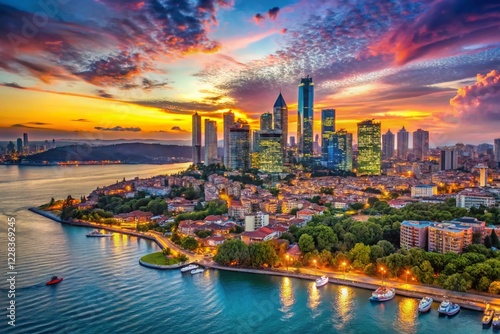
(126, 153)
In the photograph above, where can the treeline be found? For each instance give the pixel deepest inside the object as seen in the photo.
(235, 252)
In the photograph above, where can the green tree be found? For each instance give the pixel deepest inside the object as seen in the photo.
(494, 288)
(455, 282)
(387, 246)
(232, 252)
(357, 206)
(376, 252)
(424, 272)
(360, 255)
(325, 239)
(262, 254)
(306, 243)
(483, 284)
(494, 239)
(288, 236)
(372, 201)
(166, 251)
(189, 243)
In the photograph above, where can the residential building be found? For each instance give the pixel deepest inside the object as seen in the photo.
(483, 175)
(262, 234)
(327, 131)
(369, 148)
(305, 122)
(473, 197)
(266, 121)
(228, 120)
(239, 146)
(210, 142)
(196, 139)
(340, 151)
(449, 159)
(256, 220)
(477, 226)
(447, 237)
(280, 114)
(420, 144)
(414, 234)
(403, 139)
(387, 145)
(424, 190)
(270, 152)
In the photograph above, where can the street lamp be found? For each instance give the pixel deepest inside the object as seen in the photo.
(382, 270)
(407, 272)
(316, 266)
(344, 265)
(287, 262)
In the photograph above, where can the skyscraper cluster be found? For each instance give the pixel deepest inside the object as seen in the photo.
(420, 145)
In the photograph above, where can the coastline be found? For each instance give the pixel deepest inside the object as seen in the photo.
(465, 300)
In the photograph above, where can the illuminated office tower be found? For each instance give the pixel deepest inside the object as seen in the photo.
(196, 139)
(25, 139)
(210, 142)
(387, 145)
(19, 145)
(420, 144)
(340, 151)
(369, 148)
(266, 121)
(327, 130)
(305, 122)
(239, 146)
(497, 151)
(228, 120)
(403, 139)
(270, 153)
(280, 114)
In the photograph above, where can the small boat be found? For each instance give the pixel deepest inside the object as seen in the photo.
(197, 271)
(383, 294)
(189, 268)
(496, 320)
(97, 233)
(321, 281)
(54, 280)
(488, 316)
(425, 304)
(448, 308)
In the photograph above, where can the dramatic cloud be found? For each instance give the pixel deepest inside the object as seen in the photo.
(103, 93)
(273, 13)
(12, 85)
(480, 102)
(118, 128)
(258, 18)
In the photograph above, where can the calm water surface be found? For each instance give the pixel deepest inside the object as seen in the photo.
(105, 290)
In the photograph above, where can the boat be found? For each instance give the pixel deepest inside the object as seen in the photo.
(496, 320)
(448, 308)
(321, 281)
(383, 294)
(425, 304)
(97, 233)
(189, 268)
(488, 316)
(54, 280)
(197, 271)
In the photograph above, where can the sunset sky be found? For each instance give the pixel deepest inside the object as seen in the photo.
(109, 69)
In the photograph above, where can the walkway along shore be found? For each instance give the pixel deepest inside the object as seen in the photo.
(465, 300)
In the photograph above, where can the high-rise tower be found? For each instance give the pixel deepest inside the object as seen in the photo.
(280, 114)
(196, 139)
(340, 151)
(369, 148)
(420, 144)
(327, 130)
(387, 145)
(210, 142)
(305, 122)
(403, 137)
(228, 120)
(266, 121)
(239, 146)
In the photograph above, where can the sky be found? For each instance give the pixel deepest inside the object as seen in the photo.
(138, 69)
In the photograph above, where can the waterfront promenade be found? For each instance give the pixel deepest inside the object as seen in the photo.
(466, 300)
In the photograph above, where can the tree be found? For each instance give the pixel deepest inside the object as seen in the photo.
(488, 242)
(357, 206)
(494, 288)
(483, 284)
(306, 243)
(360, 255)
(325, 239)
(189, 243)
(262, 254)
(494, 239)
(387, 246)
(52, 201)
(288, 236)
(376, 252)
(455, 282)
(232, 252)
(176, 238)
(372, 201)
(167, 251)
(424, 272)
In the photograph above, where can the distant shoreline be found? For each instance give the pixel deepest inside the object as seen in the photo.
(93, 164)
(465, 300)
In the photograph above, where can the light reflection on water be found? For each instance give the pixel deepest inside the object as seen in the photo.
(287, 297)
(407, 314)
(343, 304)
(314, 297)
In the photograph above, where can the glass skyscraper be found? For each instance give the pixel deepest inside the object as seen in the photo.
(239, 146)
(340, 151)
(270, 154)
(387, 145)
(210, 142)
(327, 130)
(403, 139)
(369, 148)
(266, 121)
(305, 123)
(280, 113)
(196, 138)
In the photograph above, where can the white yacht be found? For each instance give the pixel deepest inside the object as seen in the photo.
(425, 304)
(97, 233)
(321, 281)
(197, 271)
(448, 308)
(383, 294)
(189, 268)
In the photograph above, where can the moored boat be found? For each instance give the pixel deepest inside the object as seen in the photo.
(197, 271)
(425, 304)
(97, 233)
(189, 268)
(54, 280)
(383, 294)
(496, 320)
(448, 308)
(321, 281)
(488, 316)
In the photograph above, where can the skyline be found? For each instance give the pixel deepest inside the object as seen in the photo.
(106, 70)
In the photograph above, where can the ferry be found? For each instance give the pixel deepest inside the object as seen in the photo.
(383, 294)
(448, 308)
(323, 280)
(496, 320)
(197, 271)
(189, 268)
(54, 280)
(97, 233)
(488, 316)
(425, 304)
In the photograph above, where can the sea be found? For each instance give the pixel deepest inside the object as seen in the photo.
(105, 290)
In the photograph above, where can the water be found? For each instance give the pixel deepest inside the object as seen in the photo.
(106, 290)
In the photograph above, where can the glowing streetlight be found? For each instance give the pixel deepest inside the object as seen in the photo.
(407, 272)
(382, 270)
(287, 256)
(316, 266)
(344, 264)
